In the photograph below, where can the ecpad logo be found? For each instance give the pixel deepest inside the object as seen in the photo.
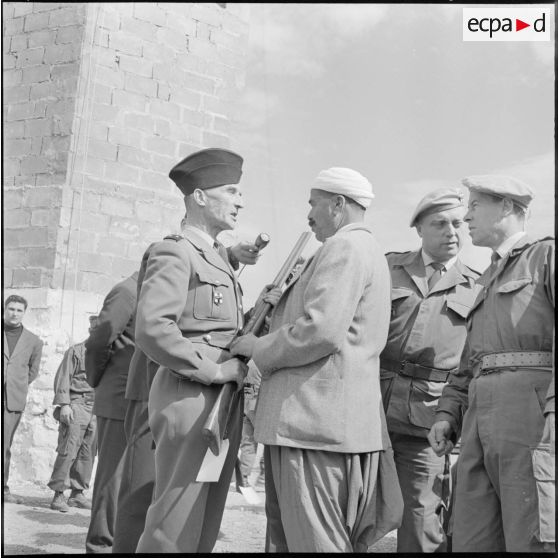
(507, 24)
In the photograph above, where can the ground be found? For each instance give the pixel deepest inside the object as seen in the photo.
(33, 528)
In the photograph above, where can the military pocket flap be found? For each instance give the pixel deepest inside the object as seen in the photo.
(543, 463)
(514, 285)
(459, 307)
(396, 294)
(211, 279)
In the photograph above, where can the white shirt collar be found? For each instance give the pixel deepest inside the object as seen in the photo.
(205, 236)
(509, 243)
(428, 259)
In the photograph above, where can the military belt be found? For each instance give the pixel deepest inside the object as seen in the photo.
(417, 370)
(217, 339)
(493, 362)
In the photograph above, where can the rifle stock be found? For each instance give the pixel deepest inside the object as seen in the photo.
(215, 427)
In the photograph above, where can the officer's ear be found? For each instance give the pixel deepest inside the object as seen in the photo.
(507, 207)
(199, 197)
(338, 202)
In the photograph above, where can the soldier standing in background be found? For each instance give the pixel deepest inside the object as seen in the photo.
(503, 393)
(77, 430)
(109, 349)
(432, 292)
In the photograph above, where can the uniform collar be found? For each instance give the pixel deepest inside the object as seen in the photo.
(509, 243)
(202, 234)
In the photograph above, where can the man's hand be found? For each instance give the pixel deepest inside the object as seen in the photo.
(438, 437)
(232, 370)
(243, 345)
(66, 414)
(270, 294)
(246, 253)
(548, 436)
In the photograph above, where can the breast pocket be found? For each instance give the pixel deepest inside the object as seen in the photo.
(398, 297)
(213, 299)
(515, 285)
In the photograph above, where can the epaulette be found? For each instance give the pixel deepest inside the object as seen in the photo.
(175, 237)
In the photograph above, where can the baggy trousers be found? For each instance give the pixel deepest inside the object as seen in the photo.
(112, 442)
(496, 505)
(185, 515)
(77, 446)
(138, 479)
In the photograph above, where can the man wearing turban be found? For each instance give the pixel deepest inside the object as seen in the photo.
(331, 484)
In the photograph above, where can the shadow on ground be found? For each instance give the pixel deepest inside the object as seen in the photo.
(12, 549)
(52, 517)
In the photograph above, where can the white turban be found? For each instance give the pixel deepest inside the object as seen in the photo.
(347, 182)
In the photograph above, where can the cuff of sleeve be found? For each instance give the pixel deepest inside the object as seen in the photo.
(549, 407)
(443, 415)
(205, 374)
(258, 358)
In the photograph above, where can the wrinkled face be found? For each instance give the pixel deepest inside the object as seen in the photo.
(484, 217)
(321, 216)
(442, 233)
(223, 204)
(13, 313)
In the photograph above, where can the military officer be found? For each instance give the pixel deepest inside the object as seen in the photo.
(432, 292)
(189, 309)
(138, 476)
(504, 385)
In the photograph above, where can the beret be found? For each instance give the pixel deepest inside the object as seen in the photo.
(207, 168)
(501, 186)
(437, 200)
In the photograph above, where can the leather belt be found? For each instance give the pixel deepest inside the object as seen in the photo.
(417, 370)
(493, 362)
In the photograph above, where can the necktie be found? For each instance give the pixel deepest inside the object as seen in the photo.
(435, 277)
(221, 250)
(494, 261)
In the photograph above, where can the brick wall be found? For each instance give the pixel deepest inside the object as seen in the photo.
(100, 101)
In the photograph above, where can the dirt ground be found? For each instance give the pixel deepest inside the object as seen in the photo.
(33, 528)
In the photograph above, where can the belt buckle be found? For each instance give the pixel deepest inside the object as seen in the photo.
(402, 367)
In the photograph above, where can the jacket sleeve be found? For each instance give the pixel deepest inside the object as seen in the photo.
(118, 308)
(455, 399)
(160, 305)
(549, 285)
(328, 311)
(35, 360)
(63, 378)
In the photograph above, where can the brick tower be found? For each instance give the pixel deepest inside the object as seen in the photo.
(100, 100)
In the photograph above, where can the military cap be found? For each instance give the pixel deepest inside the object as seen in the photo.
(207, 168)
(437, 200)
(502, 187)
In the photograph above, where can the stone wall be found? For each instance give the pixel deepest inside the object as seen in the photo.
(100, 101)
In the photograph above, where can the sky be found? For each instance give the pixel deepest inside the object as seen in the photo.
(392, 91)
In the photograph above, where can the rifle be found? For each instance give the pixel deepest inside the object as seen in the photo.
(215, 428)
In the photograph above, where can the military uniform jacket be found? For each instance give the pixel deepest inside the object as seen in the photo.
(320, 385)
(21, 368)
(70, 382)
(426, 328)
(110, 347)
(189, 307)
(513, 312)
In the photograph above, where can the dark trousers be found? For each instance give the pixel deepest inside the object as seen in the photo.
(112, 442)
(11, 421)
(138, 479)
(77, 446)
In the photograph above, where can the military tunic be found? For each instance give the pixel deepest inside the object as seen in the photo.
(189, 309)
(504, 407)
(426, 336)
